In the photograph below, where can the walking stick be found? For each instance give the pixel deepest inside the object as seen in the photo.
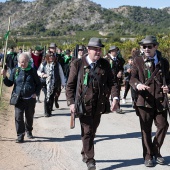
(4, 60)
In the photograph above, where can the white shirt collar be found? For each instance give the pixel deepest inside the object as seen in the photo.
(112, 57)
(89, 60)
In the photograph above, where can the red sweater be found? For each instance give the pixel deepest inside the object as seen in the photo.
(37, 60)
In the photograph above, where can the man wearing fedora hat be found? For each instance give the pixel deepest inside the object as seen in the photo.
(150, 79)
(116, 64)
(91, 81)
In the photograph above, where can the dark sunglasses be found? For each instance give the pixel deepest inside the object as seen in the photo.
(147, 46)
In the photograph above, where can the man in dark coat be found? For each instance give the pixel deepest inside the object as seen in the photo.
(150, 79)
(91, 80)
(11, 60)
(116, 63)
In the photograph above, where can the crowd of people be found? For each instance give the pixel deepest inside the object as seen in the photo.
(92, 83)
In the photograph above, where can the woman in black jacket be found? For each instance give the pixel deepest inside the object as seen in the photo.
(27, 85)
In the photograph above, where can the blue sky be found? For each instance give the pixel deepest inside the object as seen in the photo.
(142, 3)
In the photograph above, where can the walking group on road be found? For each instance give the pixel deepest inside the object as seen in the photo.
(90, 80)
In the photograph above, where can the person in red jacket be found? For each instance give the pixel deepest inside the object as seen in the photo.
(37, 59)
(37, 56)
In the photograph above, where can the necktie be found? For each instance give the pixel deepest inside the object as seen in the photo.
(153, 64)
(93, 66)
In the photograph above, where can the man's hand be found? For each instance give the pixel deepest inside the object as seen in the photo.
(128, 70)
(34, 95)
(114, 105)
(44, 75)
(72, 108)
(142, 87)
(165, 89)
(119, 75)
(3, 72)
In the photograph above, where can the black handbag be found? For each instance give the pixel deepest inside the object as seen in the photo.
(43, 81)
(14, 98)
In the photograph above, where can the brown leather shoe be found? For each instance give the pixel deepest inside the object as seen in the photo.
(149, 163)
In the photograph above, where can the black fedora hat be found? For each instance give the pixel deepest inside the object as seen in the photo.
(95, 42)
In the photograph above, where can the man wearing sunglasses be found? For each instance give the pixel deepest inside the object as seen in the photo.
(150, 79)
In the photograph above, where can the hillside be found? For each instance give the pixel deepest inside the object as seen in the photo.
(61, 17)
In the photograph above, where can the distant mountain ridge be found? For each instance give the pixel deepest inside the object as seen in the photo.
(68, 16)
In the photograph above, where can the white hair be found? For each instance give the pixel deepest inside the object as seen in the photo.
(26, 55)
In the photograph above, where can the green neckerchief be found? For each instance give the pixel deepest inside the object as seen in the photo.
(28, 67)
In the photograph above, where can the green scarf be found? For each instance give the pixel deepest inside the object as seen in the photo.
(28, 67)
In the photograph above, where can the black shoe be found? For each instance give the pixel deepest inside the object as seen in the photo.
(91, 166)
(20, 139)
(119, 111)
(29, 135)
(56, 105)
(149, 163)
(160, 160)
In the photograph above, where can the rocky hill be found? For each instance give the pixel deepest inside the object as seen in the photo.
(67, 16)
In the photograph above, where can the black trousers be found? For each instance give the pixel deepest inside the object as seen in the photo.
(48, 105)
(146, 117)
(127, 87)
(26, 106)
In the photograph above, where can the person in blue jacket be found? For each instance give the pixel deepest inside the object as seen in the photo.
(27, 85)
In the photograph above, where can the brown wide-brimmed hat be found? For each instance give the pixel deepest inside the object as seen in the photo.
(95, 42)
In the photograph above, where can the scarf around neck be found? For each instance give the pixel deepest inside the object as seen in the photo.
(50, 80)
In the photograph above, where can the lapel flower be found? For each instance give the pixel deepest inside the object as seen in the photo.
(147, 63)
(87, 70)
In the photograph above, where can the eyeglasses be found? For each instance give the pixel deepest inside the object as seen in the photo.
(147, 46)
(51, 56)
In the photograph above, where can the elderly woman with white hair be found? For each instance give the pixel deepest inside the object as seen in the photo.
(26, 86)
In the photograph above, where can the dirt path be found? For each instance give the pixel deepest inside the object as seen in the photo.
(40, 153)
(12, 155)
